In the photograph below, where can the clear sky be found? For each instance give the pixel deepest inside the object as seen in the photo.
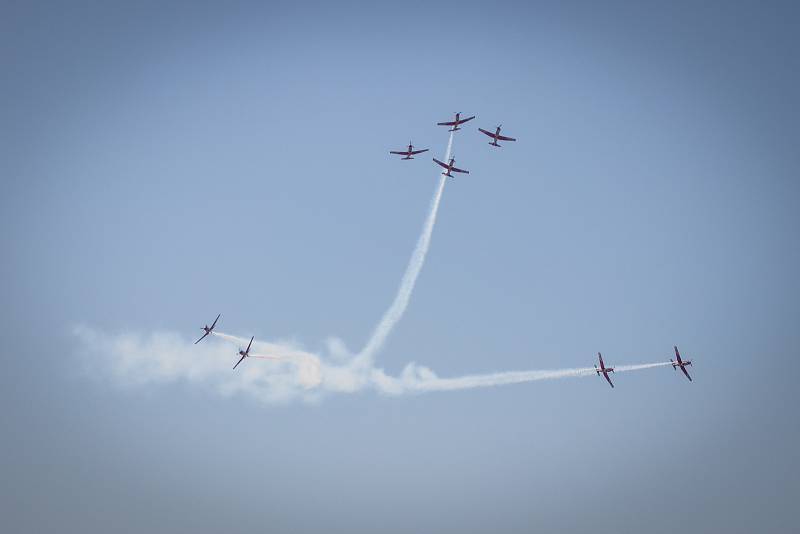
(161, 164)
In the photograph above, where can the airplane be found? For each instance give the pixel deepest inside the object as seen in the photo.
(408, 153)
(244, 353)
(603, 369)
(449, 167)
(682, 364)
(208, 330)
(455, 123)
(496, 136)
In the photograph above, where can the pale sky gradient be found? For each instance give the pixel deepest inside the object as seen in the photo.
(162, 164)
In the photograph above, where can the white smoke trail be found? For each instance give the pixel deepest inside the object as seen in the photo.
(395, 312)
(272, 350)
(307, 364)
(291, 372)
(416, 378)
(495, 379)
(163, 357)
(639, 367)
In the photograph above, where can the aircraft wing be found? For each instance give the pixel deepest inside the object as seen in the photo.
(609, 379)
(459, 170)
(490, 134)
(462, 121)
(445, 123)
(419, 151)
(240, 361)
(399, 153)
(683, 368)
(215, 322)
(504, 138)
(248, 345)
(440, 163)
(201, 339)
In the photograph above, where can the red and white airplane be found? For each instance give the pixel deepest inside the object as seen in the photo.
(208, 330)
(603, 369)
(455, 123)
(496, 136)
(680, 363)
(408, 153)
(450, 167)
(244, 353)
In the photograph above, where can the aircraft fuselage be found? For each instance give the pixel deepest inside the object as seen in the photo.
(494, 139)
(457, 122)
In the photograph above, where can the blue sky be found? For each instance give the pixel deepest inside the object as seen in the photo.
(165, 164)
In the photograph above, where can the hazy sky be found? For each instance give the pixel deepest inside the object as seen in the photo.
(162, 164)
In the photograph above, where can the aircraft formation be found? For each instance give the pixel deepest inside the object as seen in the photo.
(602, 370)
(449, 168)
(208, 330)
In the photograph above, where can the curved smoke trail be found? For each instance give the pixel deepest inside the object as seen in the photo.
(293, 371)
(398, 307)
